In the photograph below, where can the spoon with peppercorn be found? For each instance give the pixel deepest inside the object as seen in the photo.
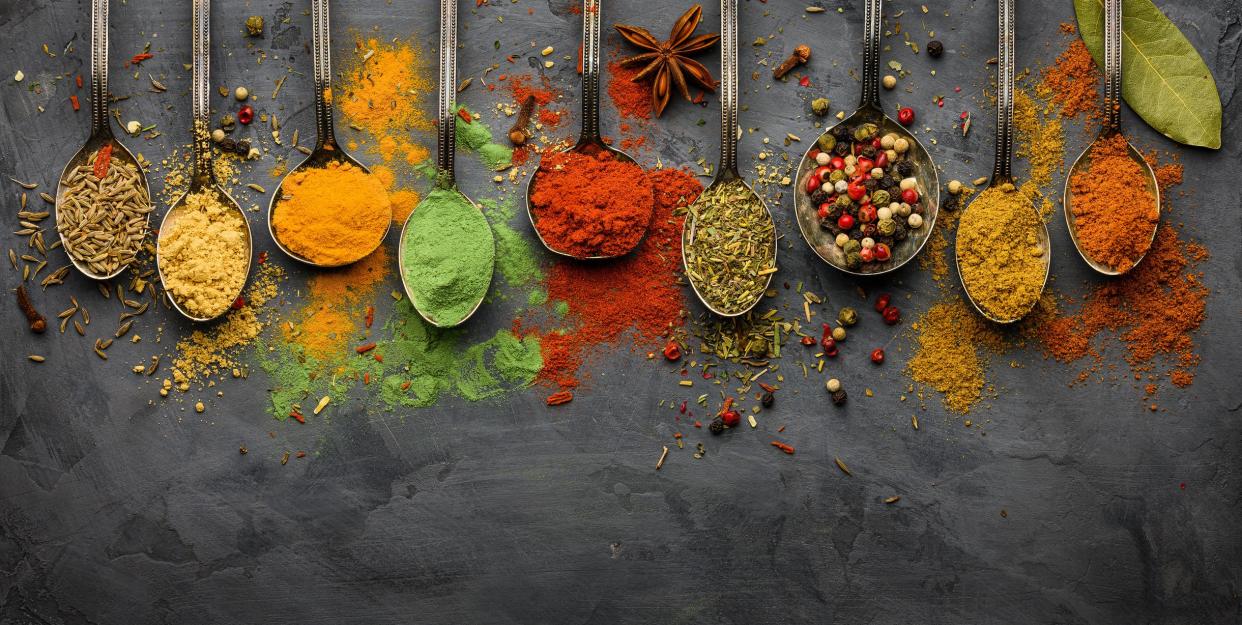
(327, 150)
(77, 231)
(1002, 170)
(868, 192)
(589, 141)
(203, 178)
(1111, 131)
(732, 266)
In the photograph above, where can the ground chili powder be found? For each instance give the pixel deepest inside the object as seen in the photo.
(632, 99)
(591, 203)
(639, 292)
(1072, 82)
(1113, 211)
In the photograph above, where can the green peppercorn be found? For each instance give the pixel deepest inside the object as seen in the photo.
(866, 131)
(853, 260)
(852, 246)
(836, 176)
(848, 317)
(820, 106)
(886, 227)
(826, 142)
(254, 25)
(843, 201)
(880, 198)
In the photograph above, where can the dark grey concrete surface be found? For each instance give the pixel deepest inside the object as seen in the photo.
(118, 508)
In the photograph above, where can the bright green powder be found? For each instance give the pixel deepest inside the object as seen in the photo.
(447, 255)
(515, 256)
(477, 137)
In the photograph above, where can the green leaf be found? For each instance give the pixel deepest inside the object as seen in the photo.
(1164, 79)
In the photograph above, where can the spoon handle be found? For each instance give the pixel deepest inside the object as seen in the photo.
(446, 135)
(728, 86)
(873, 13)
(591, 10)
(200, 91)
(1002, 171)
(99, 69)
(322, 45)
(1112, 65)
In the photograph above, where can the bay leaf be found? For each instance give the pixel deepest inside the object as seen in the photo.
(1164, 79)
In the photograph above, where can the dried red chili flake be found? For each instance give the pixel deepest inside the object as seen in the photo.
(672, 351)
(405, 386)
(139, 58)
(102, 161)
(783, 447)
(465, 115)
(79, 81)
(73, 100)
(297, 416)
(366, 378)
(370, 315)
(379, 357)
(262, 257)
(683, 407)
(698, 424)
(301, 454)
(239, 303)
(805, 81)
(362, 349)
(560, 397)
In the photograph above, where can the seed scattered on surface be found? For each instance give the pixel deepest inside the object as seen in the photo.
(841, 465)
(889, 81)
(241, 93)
(323, 403)
(36, 358)
(199, 407)
(893, 499)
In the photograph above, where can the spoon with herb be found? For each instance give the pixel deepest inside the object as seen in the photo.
(103, 203)
(590, 145)
(205, 223)
(327, 153)
(883, 178)
(728, 239)
(447, 251)
(1002, 251)
(1145, 202)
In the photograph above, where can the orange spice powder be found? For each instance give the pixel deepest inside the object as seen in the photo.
(1072, 82)
(333, 317)
(1113, 210)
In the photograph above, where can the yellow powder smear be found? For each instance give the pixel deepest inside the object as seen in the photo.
(329, 322)
(403, 200)
(382, 93)
(1041, 141)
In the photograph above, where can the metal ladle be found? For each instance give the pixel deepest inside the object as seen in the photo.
(869, 110)
(101, 129)
(729, 132)
(1002, 171)
(589, 142)
(446, 151)
(204, 177)
(326, 148)
(1112, 126)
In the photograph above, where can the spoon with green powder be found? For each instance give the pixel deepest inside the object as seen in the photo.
(1002, 171)
(326, 151)
(728, 240)
(447, 251)
(203, 181)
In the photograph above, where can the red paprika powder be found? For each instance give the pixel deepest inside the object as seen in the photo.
(591, 204)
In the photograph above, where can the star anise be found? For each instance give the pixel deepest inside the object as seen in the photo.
(667, 62)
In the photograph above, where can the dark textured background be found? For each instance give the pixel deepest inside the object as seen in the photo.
(115, 508)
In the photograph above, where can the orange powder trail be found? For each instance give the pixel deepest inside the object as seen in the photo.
(333, 318)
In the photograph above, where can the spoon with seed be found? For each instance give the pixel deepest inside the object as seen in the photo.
(446, 144)
(1002, 170)
(870, 111)
(727, 175)
(1110, 128)
(589, 142)
(203, 179)
(101, 141)
(327, 149)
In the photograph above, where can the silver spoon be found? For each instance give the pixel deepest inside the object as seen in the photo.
(1002, 171)
(869, 110)
(204, 177)
(326, 148)
(1112, 126)
(729, 132)
(589, 142)
(446, 151)
(101, 132)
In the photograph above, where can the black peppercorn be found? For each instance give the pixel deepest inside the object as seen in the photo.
(935, 49)
(871, 184)
(842, 134)
(717, 426)
(868, 151)
(819, 196)
(767, 400)
(839, 397)
(842, 148)
(228, 145)
(905, 168)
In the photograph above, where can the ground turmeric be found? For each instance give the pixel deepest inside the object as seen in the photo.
(332, 215)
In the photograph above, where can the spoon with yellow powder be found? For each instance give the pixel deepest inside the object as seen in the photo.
(204, 247)
(447, 251)
(329, 211)
(1002, 250)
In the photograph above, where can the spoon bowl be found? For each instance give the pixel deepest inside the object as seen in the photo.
(100, 135)
(170, 219)
(1044, 241)
(590, 141)
(409, 292)
(689, 229)
(327, 150)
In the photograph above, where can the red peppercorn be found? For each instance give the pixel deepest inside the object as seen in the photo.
(808, 341)
(866, 213)
(837, 162)
(882, 302)
(813, 183)
(910, 196)
(822, 172)
(823, 209)
(876, 143)
(245, 115)
(731, 418)
(905, 116)
(239, 303)
(881, 160)
(882, 252)
(856, 191)
(866, 254)
(672, 351)
(865, 164)
(877, 356)
(892, 315)
(845, 222)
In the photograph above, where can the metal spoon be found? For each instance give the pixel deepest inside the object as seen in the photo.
(869, 110)
(589, 142)
(326, 148)
(204, 177)
(101, 129)
(446, 151)
(1112, 126)
(1002, 171)
(729, 132)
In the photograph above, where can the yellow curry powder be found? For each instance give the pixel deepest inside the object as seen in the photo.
(332, 215)
(999, 252)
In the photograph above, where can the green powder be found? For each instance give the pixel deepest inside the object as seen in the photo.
(538, 297)
(515, 256)
(447, 254)
(477, 137)
(297, 380)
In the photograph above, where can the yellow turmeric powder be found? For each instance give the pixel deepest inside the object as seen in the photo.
(332, 215)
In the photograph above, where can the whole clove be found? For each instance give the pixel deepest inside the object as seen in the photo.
(517, 133)
(38, 324)
(801, 54)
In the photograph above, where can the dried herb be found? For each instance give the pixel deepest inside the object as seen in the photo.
(730, 247)
(667, 62)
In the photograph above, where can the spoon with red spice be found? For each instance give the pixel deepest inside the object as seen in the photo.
(571, 199)
(1110, 132)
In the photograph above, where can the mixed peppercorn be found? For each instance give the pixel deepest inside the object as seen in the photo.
(865, 191)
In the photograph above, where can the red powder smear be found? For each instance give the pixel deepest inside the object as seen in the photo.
(638, 292)
(1073, 80)
(632, 99)
(550, 119)
(520, 85)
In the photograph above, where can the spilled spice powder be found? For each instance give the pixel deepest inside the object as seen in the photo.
(632, 99)
(1072, 82)
(381, 94)
(332, 317)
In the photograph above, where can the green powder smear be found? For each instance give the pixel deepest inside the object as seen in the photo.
(448, 254)
(477, 137)
(515, 256)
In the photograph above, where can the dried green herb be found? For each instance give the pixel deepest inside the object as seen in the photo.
(730, 247)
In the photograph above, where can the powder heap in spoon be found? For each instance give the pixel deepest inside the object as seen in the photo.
(999, 252)
(591, 204)
(447, 256)
(203, 255)
(332, 215)
(1114, 211)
